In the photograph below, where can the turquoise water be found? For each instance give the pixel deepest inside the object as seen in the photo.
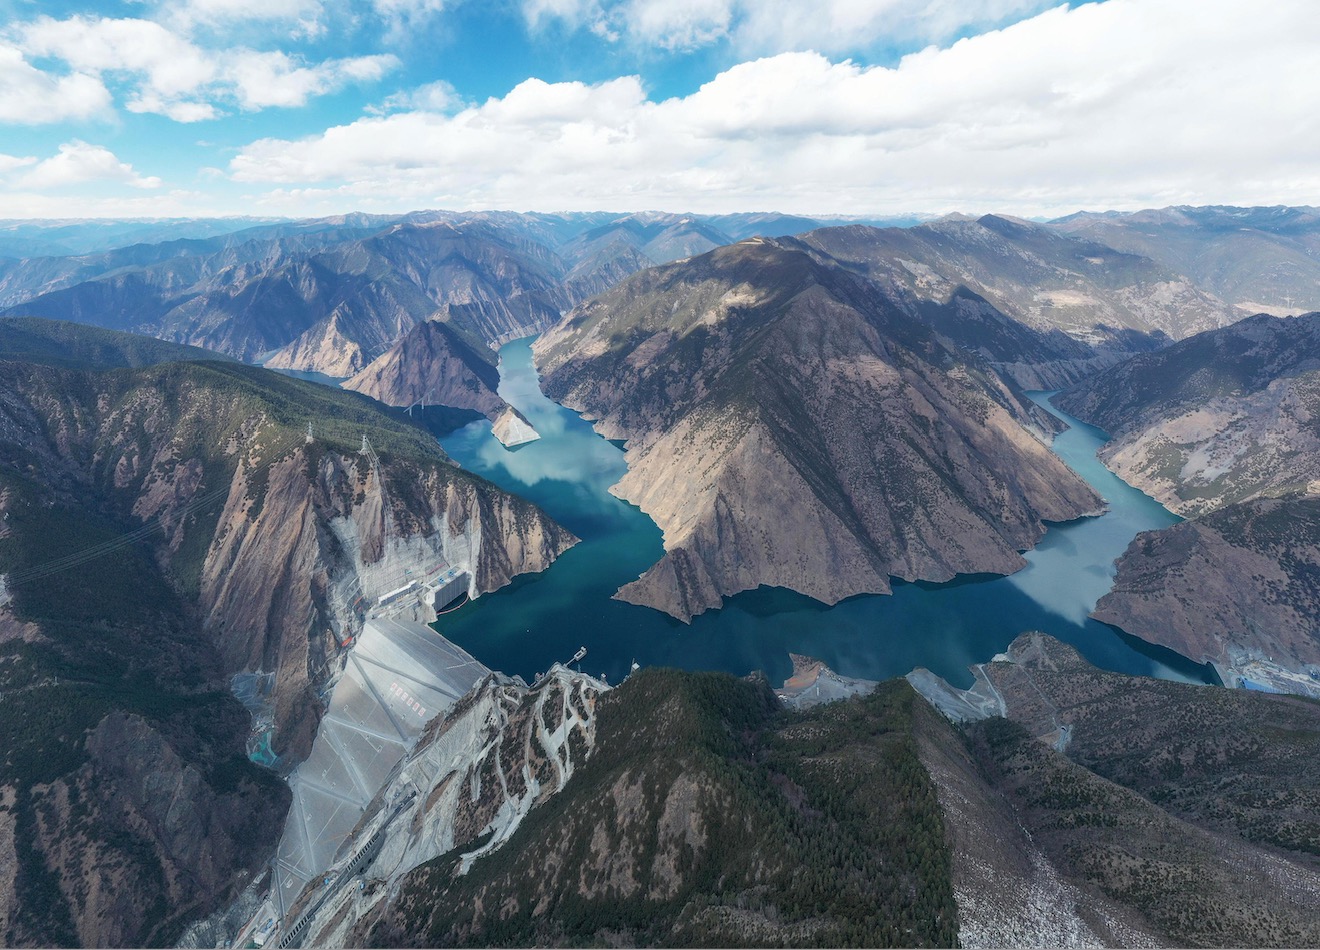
(539, 619)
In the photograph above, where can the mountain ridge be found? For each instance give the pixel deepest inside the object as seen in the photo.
(739, 380)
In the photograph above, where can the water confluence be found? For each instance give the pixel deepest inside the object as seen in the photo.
(546, 617)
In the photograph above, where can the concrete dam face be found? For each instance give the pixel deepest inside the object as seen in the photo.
(399, 676)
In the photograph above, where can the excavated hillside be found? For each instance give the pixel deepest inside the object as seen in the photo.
(788, 424)
(230, 543)
(475, 775)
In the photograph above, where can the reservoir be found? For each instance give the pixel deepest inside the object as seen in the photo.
(546, 617)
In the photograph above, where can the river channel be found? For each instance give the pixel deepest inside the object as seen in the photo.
(545, 617)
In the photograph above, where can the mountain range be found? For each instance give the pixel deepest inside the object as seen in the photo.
(819, 405)
(1258, 259)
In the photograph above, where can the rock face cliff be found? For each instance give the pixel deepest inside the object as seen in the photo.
(789, 424)
(1224, 416)
(228, 542)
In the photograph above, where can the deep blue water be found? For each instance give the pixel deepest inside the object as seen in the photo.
(542, 618)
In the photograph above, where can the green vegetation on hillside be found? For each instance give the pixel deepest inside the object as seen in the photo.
(1194, 887)
(75, 345)
(114, 637)
(706, 816)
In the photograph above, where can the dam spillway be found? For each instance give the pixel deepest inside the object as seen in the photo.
(398, 677)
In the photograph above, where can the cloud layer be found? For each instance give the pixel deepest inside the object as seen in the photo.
(161, 71)
(760, 26)
(1126, 103)
(1122, 104)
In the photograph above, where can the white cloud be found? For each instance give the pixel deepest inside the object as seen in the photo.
(1123, 104)
(140, 204)
(774, 26)
(9, 162)
(401, 16)
(213, 12)
(845, 25)
(437, 96)
(276, 79)
(677, 24)
(29, 96)
(166, 72)
(172, 65)
(78, 163)
(180, 110)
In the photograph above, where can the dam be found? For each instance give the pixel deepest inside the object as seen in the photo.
(399, 676)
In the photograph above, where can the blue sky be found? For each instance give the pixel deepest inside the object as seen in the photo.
(310, 107)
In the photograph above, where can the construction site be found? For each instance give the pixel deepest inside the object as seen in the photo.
(398, 675)
(395, 675)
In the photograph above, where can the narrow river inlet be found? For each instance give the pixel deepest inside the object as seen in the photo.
(543, 618)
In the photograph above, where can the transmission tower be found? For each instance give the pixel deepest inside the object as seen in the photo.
(370, 453)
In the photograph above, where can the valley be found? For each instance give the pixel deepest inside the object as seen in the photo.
(569, 473)
(625, 473)
(834, 459)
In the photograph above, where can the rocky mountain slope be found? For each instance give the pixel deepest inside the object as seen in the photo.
(436, 363)
(789, 424)
(1221, 428)
(1042, 307)
(328, 309)
(330, 295)
(66, 237)
(59, 343)
(191, 257)
(1239, 587)
(1222, 417)
(231, 543)
(1174, 814)
(1076, 807)
(1260, 259)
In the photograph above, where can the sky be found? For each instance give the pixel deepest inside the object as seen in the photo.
(162, 108)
